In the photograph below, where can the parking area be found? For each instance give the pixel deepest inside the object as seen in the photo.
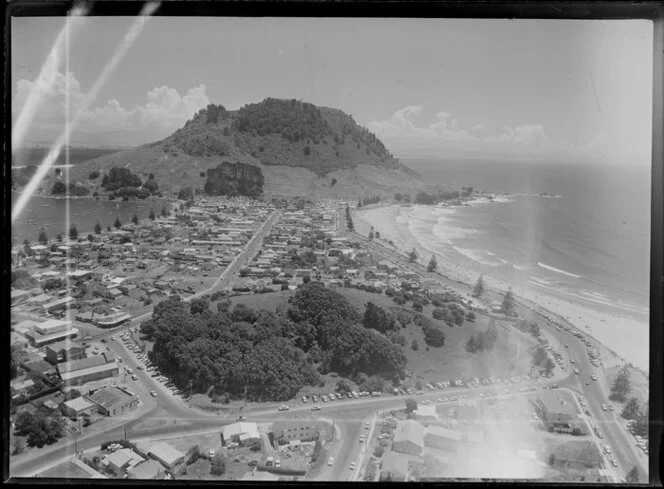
(144, 367)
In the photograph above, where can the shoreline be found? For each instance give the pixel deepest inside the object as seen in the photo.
(597, 321)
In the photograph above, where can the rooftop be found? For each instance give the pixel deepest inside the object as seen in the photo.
(163, 451)
(109, 397)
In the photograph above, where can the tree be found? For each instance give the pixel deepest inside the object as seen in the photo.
(621, 386)
(548, 366)
(411, 405)
(414, 345)
(375, 317)
(109, 227)
(472, 345)
(539, 356)
(118, 223)
(434, 337)
(478, 290)
(152, 216)
(134, 219)
(59, 238)
(164, 212)
(412, 256)
(641, 424)
(193, 454)
(349, 220)
(433, 265)
(18, 446)
(73, 232)
(43, 239)
(59, 187)
(371, 234)
(97, 228)
(343, 386)
(508, 303)
(632, 476)
(631, 409)
(218, 465)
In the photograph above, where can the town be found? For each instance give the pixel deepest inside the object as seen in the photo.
(86, 383)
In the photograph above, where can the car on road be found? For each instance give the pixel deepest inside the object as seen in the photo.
(419, 393)
(367, 425)
(283, 407)
(352, 466)
(362, 438)
(594, 377)
(330, 461)
(139, 367)
(587, 382)
(315, 408)
(153, 393)
(576, 371)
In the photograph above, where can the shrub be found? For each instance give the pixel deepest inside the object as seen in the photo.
(93, 175)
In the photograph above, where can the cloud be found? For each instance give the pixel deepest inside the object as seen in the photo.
(164, 110)
(401, 126)
(401, 134)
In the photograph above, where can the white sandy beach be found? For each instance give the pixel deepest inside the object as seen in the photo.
(624, 332)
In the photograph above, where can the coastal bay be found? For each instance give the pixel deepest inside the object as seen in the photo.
(618, 324)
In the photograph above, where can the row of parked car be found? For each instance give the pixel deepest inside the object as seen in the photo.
(132, 345)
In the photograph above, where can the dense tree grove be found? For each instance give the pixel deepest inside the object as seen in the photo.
(271, 355)
(292, 119)
(39, 429)
(118, 178)
(234, 179)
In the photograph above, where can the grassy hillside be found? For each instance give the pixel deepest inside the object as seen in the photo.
(303, 150)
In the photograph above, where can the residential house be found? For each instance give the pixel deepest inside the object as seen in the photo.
(240, 432)
(168, 456)
(148, 470)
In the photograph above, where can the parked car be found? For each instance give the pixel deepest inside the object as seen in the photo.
(304, 399)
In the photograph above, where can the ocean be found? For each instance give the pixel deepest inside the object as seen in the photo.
(591, 245)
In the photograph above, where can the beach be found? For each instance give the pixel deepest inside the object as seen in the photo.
(621, 327)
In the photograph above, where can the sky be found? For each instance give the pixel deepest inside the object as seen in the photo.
(546, 90)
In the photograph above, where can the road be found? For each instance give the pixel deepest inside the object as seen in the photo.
(225, 279)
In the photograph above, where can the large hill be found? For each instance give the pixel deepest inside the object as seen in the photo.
(302, 150)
